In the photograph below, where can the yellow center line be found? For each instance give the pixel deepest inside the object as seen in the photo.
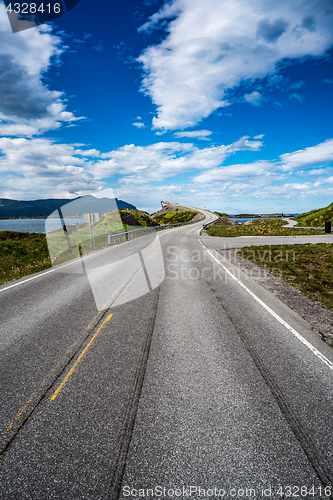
(87, 347)
(79, 358)
(22, 410)
(25, 406)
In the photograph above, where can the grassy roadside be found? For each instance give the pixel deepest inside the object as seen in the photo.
(307, 267)
(175, 217)
(272, 227)
(316, 217)
(136, 218)
(22, 254)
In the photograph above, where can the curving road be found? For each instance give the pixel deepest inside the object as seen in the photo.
(153, 366)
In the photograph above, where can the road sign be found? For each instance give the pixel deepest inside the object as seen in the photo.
(86, 218)
(95, 217)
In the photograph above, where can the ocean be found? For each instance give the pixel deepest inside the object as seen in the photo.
(34, 225)
(38, 225)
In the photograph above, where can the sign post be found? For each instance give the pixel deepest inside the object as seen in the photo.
(94, 218)
(90, 218)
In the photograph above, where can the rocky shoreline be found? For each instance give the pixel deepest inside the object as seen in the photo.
(320, 318)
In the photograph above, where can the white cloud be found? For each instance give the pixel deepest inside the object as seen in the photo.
(232, 172)
(32, 49)
(213, 46)
(198, 134)
(327, 80)
(254, 184)
(17, 129)
(259, 136)
(297, 85)
(158, 161)
(166, 159)
(27, 106)
(269, 31)
(138, 124)
(49, 169)
(255, 98)
(297, 97)
(320, 154)
(39, 167)
(99, 46)
(232, 196)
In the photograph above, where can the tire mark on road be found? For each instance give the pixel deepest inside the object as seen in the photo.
(319, 462)
(16, 425)
(117, 472)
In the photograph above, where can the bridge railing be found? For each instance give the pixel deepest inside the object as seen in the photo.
(112, 239)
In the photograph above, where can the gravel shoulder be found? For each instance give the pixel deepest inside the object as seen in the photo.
(320, 318)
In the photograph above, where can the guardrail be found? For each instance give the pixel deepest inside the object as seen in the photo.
(112, 239)
(206, 226)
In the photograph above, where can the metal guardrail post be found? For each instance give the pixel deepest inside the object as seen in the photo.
(111, 239)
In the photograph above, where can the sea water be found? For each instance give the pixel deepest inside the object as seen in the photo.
(34, 225)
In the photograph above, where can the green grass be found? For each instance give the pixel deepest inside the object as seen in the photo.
(175, 217)
(316, 218)
(271, 227)
(63, 248)
(22, 254)
(221, 214)
(308, 267)
(141, 218)
(26, 253)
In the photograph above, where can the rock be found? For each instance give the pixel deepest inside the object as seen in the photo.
(128, 219)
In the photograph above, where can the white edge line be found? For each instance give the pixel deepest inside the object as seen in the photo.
(38, 275)
(276, 316)
(74, 261)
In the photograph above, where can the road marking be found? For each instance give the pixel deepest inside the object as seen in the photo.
(276, 316)
(33, 278)
(79, 358)
(107, 319)
(20, 414)
(40, 274)
(23, 409)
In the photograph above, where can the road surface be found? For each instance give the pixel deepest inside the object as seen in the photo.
(290, 222)
(223, 243)
(150, 371)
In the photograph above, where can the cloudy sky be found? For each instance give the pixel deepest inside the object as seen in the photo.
(223, 104)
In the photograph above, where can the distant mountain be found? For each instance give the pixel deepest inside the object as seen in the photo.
(123, 204)
(43, 208)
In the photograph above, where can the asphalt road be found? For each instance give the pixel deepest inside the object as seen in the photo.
(150, 366)
(223, 243)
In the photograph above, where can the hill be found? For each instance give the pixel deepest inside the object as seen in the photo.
(10, 209)
(135, 218)
(316, 218)
(175, 217)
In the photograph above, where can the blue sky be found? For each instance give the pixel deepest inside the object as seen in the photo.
(221, 104)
